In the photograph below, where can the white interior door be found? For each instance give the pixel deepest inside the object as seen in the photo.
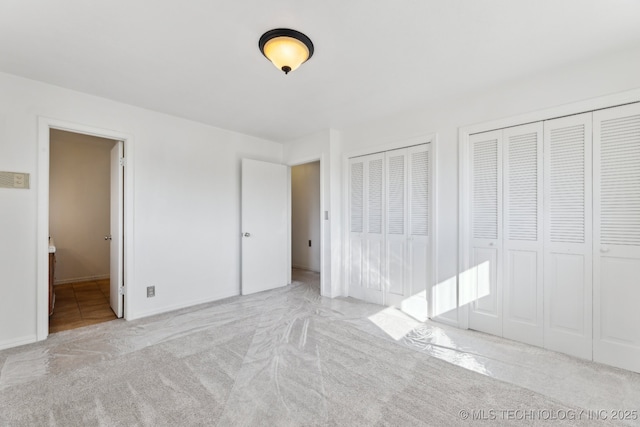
(419, 162)
(522, 254)
(568, 235)
(374, 231)
(397, 259)
(616, 249)
(485, 309)
(116, 298)
(389, 228)
(367, 251)
(266, 260)
(356, 226)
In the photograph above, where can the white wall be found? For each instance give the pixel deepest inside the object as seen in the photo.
(608, 74)
(186, 205)
(186, 234)
(305, 216)
(79, 205)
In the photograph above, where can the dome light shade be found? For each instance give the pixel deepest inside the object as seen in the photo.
(286, 49)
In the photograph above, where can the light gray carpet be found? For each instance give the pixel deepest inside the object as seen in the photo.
(286, 357)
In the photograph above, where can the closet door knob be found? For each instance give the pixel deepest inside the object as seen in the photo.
(247, 234)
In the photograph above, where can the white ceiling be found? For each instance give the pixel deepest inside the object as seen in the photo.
(199, 59)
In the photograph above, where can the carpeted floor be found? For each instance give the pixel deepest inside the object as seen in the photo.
(286, 357)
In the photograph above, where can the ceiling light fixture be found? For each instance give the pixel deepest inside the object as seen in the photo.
(286, 48)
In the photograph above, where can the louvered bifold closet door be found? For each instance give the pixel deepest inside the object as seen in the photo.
(567, 235)
(616, 249)
(356, 225)
(485, 309)
(371, 273)
(522, 239)
(407, 238)
(397, 259)
(420, 163)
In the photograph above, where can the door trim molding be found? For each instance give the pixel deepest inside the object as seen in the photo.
(325, 282)
(45, 124)
(464, 211)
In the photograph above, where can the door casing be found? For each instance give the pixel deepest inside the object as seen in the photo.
(45, 124)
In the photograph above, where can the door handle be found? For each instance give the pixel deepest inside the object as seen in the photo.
(107, 237)
(247, 234)
(604, 249)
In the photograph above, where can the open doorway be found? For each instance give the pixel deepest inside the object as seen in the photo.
(306, 223)
(85, 200)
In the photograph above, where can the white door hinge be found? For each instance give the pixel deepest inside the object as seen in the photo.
(122, 162)
(121, 290)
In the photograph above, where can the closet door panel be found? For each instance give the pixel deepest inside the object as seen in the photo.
(397, 274)
(619, 316)
(366, 212)
(522, 298)
(355, 262)
(522, 250)
(567, 273)
(356, 226)
(389, 214)
(418, 254)
(485, 309)
(420, 165)
(374, 228)
(616, 250)
(408, 214)
(567, 235)
(485, 281)
(374, 267)
(397, 260)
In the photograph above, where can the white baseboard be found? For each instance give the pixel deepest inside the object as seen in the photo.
(300, 267)
(81, 279)
(179, 306)
(446, 321)
(15, 342)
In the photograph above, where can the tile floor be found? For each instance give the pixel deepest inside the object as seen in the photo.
(80, 304)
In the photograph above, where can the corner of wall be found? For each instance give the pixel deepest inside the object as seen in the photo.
(335, 212)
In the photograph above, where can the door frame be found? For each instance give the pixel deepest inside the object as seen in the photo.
(325, 282)
(464, 183)
(45, 124)
(432, 263)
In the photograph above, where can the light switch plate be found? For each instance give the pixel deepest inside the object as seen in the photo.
(18, 180)
(14, 180)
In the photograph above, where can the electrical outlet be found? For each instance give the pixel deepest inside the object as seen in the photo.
(151, 291)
